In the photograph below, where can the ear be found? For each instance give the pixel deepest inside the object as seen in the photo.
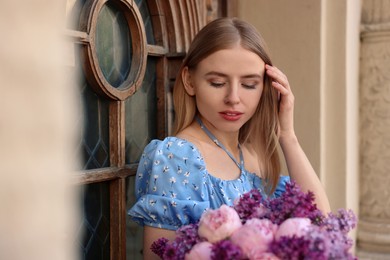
(186, 79)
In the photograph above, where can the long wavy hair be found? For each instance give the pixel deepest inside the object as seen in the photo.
(261, 131)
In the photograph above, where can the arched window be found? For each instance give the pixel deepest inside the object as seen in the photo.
(126, 55)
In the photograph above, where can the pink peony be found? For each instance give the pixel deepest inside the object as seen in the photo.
(218, 224)
(254, 237)
(200, 251)
(293, 226)
(265, 256)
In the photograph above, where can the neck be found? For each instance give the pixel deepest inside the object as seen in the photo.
(228, 139)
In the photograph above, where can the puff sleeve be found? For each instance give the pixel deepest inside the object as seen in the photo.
(171, 185)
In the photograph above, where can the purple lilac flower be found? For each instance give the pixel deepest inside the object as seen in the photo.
(188, 234)
(250, 205)
(340, 245)
(293, 203)
(314, 246)
(290, 247)
(344, 221)
(171, 253)
(158, 246)
(225, 249)
(186, 238)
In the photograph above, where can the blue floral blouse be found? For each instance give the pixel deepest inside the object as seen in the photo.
(173, 187)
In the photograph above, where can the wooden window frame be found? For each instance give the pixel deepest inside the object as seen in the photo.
(175, 22)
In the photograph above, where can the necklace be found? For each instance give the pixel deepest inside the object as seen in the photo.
(240, 164)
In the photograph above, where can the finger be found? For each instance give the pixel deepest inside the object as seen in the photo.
(281, 88)
(278, 76)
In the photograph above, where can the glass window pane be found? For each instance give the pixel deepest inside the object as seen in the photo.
(134, 232)
(113, 44)
(144, 10)
(140, 112)
(94, 235)
(94, 145)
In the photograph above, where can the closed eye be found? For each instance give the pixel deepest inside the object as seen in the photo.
(217, 84)
(249, 86)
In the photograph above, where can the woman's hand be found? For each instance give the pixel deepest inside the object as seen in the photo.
(286, 105)
(298, 165)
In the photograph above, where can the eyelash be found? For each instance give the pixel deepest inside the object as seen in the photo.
(249, 86)
(217, 84)
(221, 84)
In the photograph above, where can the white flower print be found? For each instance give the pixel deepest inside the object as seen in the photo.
(157, 162)
(185, 182)
(195, 186)
(154, 188)
(165, 169)
(169, 144)
(152, 202)
(173, 195)
(172, 180)
(187, 174)
(173, 203)
(170, 155)
(181, 143)
(179, 170)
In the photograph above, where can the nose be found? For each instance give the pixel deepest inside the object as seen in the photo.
(232, 96)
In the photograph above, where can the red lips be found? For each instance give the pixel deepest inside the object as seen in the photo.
(231, 115)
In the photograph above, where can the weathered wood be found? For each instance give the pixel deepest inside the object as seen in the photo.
(77, 36)
(118, 219)
(103, 174)
(154, 50)
(117, 133)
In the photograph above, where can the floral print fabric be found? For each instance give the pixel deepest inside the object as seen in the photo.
(173, 187)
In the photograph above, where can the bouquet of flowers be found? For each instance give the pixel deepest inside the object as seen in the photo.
(288, 227)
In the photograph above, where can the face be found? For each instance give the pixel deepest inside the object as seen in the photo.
(227, 86)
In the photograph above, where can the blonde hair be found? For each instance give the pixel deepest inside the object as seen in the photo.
(260, 132)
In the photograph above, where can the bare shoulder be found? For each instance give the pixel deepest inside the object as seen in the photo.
(191, 134)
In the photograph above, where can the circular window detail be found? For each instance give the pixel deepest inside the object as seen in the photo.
(115, 52)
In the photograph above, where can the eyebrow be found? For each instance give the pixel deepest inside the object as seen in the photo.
(220, 74)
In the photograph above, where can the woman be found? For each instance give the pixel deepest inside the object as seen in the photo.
(232, 109)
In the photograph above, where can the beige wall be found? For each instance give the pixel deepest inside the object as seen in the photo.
(316, 44)
(37, 134)
(294, 44)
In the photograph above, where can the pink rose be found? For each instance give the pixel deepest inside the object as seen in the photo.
(200, 251)
(218, 224)
(254, 237)
(293, 226)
